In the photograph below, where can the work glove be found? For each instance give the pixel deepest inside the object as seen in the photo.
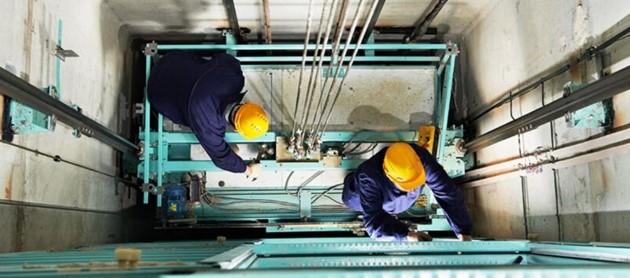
(418, 236)
(254, 170)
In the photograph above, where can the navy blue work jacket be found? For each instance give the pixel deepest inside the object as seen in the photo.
(195, 92)
(368, 190)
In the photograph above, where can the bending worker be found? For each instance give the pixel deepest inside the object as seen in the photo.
(206, 96)
(390, 182)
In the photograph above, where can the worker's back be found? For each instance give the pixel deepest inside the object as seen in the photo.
(181, 81)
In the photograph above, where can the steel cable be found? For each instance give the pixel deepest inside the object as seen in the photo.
(333, 61)
(340, 63)
(304, 51)
(313, 85)
(349, 67)
(315, 54)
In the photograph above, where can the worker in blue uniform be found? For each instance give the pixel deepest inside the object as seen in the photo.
(205, 95)
(390, 182)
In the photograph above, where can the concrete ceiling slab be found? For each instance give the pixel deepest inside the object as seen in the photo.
(287, 17)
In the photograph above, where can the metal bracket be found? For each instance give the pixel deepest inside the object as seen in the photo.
(305, 204)
(147, 187)
(24, 120)
(231, 258)
(230, 39)
(77, 132)
(62, 54)
(454, 151)
(150, 49)
(452, 48)
(592, 116)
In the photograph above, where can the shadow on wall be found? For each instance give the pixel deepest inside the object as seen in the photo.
(371, 118)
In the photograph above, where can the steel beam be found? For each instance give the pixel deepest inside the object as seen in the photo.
(22, 91)
(262, 47)
(423, 26)
(200, 165)
(372, 23)
(446, 100)
(308, 246)
(592, 252)
(328, 136)
(372, 261)
(230, 10)
(597, 91)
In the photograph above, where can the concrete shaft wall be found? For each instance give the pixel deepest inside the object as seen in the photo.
(94, 81)
(512, 45)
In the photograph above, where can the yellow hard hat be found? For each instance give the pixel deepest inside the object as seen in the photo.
(251, 121)
(403, 166)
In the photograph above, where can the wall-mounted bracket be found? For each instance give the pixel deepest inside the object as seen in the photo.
(62, 54)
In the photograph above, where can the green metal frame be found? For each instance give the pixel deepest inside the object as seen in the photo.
(157, 164)
(332, 257)
(26, 120)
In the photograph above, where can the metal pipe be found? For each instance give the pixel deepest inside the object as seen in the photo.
(423, 26)
(596, 91)
(448, 90)
(160, 159)
(339, 62)
(585, 151)
(349, 67)
(267, 25)
(147, 129)
(22, 91)
(304, 51)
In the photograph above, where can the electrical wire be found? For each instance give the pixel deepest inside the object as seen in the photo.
(302, 185)
(334, 200)
(313, 200)
(307, 181)
(58, 158)
(240, 201)
(370, 148)
(286, 184)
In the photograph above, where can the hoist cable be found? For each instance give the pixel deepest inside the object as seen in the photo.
(349, 67)
(306, 40)
(340, 61)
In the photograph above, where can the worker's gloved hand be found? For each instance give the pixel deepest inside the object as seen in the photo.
(418, 236)
(464, 237)
(253, 171)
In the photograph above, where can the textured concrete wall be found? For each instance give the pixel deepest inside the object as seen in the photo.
(94, 81)
(512, 45)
